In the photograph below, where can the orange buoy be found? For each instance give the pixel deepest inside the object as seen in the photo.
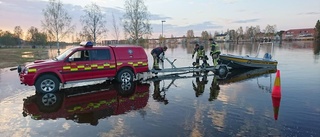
(276, 91)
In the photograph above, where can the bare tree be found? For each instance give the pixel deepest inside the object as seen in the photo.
(18, 31)
(93, 22)
(232, 34)
(35, 37)
(204, 36)
(250, 33)
(115, 28)
(18, 34)
(190, 34)
(136, 20)
(57, 21)
(240, 34)
(270, 30)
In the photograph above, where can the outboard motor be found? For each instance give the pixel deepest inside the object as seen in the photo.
(267, 56)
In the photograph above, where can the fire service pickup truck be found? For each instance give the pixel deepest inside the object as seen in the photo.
(85, 62)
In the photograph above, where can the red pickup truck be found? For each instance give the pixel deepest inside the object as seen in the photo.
(85, 62)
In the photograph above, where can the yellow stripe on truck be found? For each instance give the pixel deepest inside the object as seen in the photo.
(94, 65)
(66, 67)
(74, 69)
(81, 66)
(32, 70)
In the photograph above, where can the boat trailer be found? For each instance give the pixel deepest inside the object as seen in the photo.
(220, 69)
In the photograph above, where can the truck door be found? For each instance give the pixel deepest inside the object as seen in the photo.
(102, 63)
(77, 66)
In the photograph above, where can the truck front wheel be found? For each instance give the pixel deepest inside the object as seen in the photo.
(47, 84)
(124, 75)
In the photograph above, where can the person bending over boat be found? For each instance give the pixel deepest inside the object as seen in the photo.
(215, 52)
(156, 52)
(200, 55)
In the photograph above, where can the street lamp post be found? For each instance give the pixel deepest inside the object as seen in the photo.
(162, 28)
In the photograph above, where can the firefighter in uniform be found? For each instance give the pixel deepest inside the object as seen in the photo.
(156, 52)
(215, 52)
(200, 55)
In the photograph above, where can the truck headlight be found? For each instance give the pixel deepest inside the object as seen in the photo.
(26, 70)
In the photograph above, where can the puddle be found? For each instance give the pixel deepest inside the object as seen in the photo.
(28, 56)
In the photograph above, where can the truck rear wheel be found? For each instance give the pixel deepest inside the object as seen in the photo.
(47, 84)
(124, 75)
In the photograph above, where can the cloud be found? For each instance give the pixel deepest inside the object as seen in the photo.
(310, 13)
(158, 17)
(246, 21)
(177, 30)
(230, 1)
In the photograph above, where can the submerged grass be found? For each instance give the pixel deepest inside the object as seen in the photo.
(12, 57)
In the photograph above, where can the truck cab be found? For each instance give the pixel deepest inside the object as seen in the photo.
(83, 63)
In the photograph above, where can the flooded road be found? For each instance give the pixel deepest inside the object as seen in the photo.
(239, 104)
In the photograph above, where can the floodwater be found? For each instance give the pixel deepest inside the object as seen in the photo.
(239, 104)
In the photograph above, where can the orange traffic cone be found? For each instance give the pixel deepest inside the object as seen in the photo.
(276, 92)
(276, 95)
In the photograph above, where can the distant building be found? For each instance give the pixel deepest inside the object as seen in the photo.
(299, 34)
(108, 42)
(222, 37)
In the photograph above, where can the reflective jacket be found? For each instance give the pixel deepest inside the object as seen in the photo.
(157, 51)
(214, 49)
(200, 53)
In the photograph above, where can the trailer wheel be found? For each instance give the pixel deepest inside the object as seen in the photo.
(47, 84)
(124, 75)
(222, 70)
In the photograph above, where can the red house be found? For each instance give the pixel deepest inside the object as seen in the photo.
(299, 34)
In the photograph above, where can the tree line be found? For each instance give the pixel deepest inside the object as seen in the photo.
(57, 24)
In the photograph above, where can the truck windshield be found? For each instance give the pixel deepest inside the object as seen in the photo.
(63, 55)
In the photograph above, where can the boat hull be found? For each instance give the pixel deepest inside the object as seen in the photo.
(235, 61)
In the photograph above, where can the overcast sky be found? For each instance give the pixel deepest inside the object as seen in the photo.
(180, 15)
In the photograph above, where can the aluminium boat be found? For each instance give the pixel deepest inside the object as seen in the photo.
(237, 61)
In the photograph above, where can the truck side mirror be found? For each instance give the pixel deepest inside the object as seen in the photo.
(70, 59)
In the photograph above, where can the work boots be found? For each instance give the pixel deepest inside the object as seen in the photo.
(156, 68)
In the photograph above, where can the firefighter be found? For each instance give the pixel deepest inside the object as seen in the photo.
(156, 52)
(214, 89)
(200, 55)
(215, 52)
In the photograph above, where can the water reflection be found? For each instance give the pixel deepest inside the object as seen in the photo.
(239, 75)
(214, 89)
(88, 104)
(200, 82)
(199, 85)
(316, 50)
(159, 94)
